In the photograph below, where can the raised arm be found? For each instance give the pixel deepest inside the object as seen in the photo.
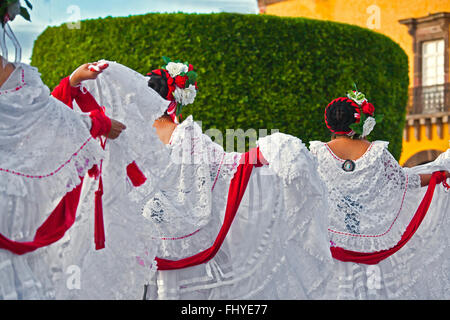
(69, 89)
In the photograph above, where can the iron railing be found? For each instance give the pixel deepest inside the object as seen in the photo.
(429, 99)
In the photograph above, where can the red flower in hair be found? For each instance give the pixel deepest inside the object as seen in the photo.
(171, 86)
(180, 81)
(368, 108)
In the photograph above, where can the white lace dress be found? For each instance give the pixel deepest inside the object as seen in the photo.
(276, 248)
(44, 148)
(370, 208)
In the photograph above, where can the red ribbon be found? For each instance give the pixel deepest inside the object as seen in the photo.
(375, 257)
(236, 191)
(99, 228)
(171, 111)
(135, 174)
(99, 232)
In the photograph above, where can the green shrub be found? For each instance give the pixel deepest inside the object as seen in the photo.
(255, 71)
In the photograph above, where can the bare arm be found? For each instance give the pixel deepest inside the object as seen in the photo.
(84, 72)
(425, 178)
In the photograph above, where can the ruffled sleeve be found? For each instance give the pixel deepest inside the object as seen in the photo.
(100, 124)
(442, 162)
(393, 170)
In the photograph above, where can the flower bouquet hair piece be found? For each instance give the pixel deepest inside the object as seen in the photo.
(365, 115)
(181, 84)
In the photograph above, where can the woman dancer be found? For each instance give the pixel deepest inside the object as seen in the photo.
(46, 149)
(381, 240)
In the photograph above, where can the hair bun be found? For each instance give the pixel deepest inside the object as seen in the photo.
(340, 114)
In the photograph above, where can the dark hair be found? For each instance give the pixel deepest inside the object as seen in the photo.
(339, 115)
(159, 83)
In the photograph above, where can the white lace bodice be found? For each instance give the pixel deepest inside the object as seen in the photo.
(367, 204)
(189, 138)
(183, 201)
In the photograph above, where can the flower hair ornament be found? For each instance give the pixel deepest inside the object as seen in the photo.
(181, 82)
(364, 113)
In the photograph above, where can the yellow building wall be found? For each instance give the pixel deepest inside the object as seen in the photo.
(380, 16)
(413, 146)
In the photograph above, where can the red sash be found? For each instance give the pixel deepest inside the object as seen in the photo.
(54, 227)
(236, 191)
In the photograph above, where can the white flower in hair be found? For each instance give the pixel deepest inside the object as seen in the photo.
(185, 96)
(368, 126)
(175, 68)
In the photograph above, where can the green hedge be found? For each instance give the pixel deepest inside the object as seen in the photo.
(255, 71)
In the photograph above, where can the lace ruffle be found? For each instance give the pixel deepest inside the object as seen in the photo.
(287, 155)
(64, 178)
(23, 86)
